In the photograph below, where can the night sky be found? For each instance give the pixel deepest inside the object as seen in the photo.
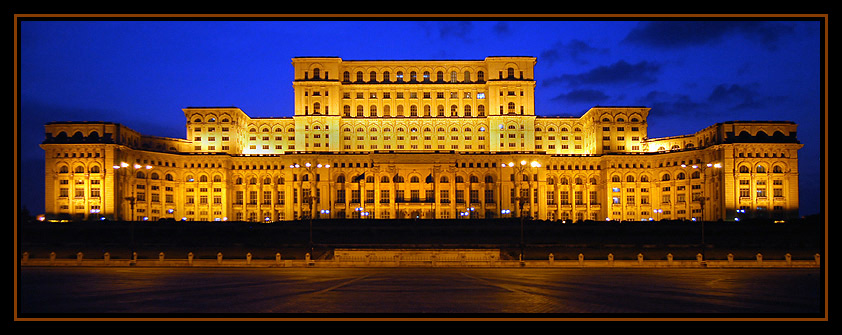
(691, 73)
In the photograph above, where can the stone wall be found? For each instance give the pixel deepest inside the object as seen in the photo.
(418, 258)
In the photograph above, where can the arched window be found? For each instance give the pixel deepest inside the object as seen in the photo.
(340, 179)
(384, 180)
(665, 177)
(414, 179)
(444, 179)
(744, 169)
(760, 169)
(630, 179)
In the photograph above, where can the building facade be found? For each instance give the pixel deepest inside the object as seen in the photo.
(420, 139)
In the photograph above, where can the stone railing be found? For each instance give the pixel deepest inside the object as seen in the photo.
(422, 258)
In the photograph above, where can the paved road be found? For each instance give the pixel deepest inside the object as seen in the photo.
(418, 292)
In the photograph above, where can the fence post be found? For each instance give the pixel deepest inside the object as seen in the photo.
(611, 259)
(219, 258)
(161, 257)
(730, 258)
(552, 258)
(640, 259)
(79, 257)
(788, 259)
(190, 258)
(248, 259)
(107, 258)
(278, 258)
(759, 258)
(25, 257)
(818, 259)
(581, 259)
(52, 258)
(669, 258)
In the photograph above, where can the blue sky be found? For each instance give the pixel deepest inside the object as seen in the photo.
(691, 73)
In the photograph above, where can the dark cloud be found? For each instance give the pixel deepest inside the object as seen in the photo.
(618, 73)
(585, 95)
(665, 104)
(741, 97)
(457, 29)
(501, 28)
(679, 34)
(574, 50)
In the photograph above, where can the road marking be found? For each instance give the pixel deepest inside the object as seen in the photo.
(505, 287)
(341, 284)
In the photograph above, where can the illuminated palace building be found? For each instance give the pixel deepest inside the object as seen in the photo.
(420, 139)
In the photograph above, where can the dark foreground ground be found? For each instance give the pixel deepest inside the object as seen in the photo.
(801, 238)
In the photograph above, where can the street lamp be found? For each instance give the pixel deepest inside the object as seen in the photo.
(131, 199)
(519, 196)
(703, 197)
(309, 170)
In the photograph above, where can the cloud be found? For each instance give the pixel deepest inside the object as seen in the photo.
(501, 28)
(457, 29)
(741, 97)
(620, 72)
(573, 50)
(664, 104)
(680, 34)
(585, 95)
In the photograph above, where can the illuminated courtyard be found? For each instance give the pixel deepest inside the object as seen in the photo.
(419, 293)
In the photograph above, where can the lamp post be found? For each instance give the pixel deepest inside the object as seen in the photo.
(519, 169)
(123, 166)
(309, 170)
(702, 168)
